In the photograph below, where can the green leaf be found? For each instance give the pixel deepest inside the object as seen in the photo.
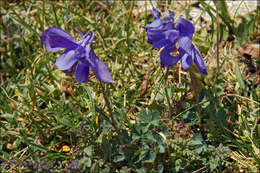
(165, 130)
(136, 131)
(89, 150)
(239, 77)
(161, 149)
(7, 116)
(178, 165)
(119, 158)
(159, 97)
(143, 116)
(222, 115)
(150, 136)
(141, 170)
(150, 157)
(221, 34)
(189, 115)
(65, 122)
(197, 139)
(208, 8)
(224, 14)
(160, 168)
(142, 155)
(201, 148)
(86, 161)
(124, 170)
(145, 128)
(155, 118)
(158, 138)
(100, 139)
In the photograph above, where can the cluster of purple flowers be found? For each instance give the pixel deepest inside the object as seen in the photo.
(78, 57)
(176, 41)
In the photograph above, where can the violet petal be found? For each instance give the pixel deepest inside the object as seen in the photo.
(167, 59)
(55, 39)
(100, 69)
(186, 61)
(155, 24)
(186, 44)
(198, 60)
(82, 72)
(185, 27)
(66, 60)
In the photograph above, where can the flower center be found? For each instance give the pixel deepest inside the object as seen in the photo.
(175, 51)
(80, 52)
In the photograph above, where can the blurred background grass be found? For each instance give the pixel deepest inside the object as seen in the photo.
(50, 123)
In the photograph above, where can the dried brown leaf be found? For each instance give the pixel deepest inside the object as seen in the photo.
(251, 49)
(145, 83)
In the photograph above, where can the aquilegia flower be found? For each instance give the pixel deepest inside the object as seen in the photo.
(176, 41)
(78, 56)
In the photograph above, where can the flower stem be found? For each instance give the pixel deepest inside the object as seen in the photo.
(196, 87)
(112, 122)
(217, 22)
(166, 92)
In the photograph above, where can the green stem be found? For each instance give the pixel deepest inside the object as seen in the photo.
(166, 92)
(217, 21)
(112, 122)
(196, 87)
(128, 33)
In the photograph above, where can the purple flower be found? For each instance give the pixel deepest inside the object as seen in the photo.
(78, 56)
(156, 29)
(176, 41)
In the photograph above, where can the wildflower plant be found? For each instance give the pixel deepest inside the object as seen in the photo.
(176, 41)
(78, 57)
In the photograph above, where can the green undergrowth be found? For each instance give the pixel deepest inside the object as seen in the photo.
(49, 123)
